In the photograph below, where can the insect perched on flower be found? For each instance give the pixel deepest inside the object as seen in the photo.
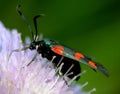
(65, 58)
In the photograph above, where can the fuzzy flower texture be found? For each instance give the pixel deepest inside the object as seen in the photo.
(37, 78)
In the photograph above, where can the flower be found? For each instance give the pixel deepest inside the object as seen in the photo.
(18, 78)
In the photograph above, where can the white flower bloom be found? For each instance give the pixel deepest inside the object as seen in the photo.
(37, 78)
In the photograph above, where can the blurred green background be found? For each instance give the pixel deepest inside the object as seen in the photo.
(89, 26)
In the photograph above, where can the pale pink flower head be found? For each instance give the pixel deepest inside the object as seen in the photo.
(37, 78)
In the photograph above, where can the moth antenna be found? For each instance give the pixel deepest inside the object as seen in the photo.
(41, 36)
(24, 19)
(35, 24)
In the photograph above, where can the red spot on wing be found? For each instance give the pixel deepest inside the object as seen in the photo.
(78, 55)
(92, 64)
(58, 49)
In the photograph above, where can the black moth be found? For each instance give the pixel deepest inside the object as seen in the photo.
(67, 58)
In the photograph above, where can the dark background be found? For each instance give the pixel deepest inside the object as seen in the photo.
(89, 26)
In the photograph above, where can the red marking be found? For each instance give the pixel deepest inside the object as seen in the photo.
(78, 55)
(58, 49)
(92, 64)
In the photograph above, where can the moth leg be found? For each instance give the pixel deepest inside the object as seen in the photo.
(32, 59)
(17, 50)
